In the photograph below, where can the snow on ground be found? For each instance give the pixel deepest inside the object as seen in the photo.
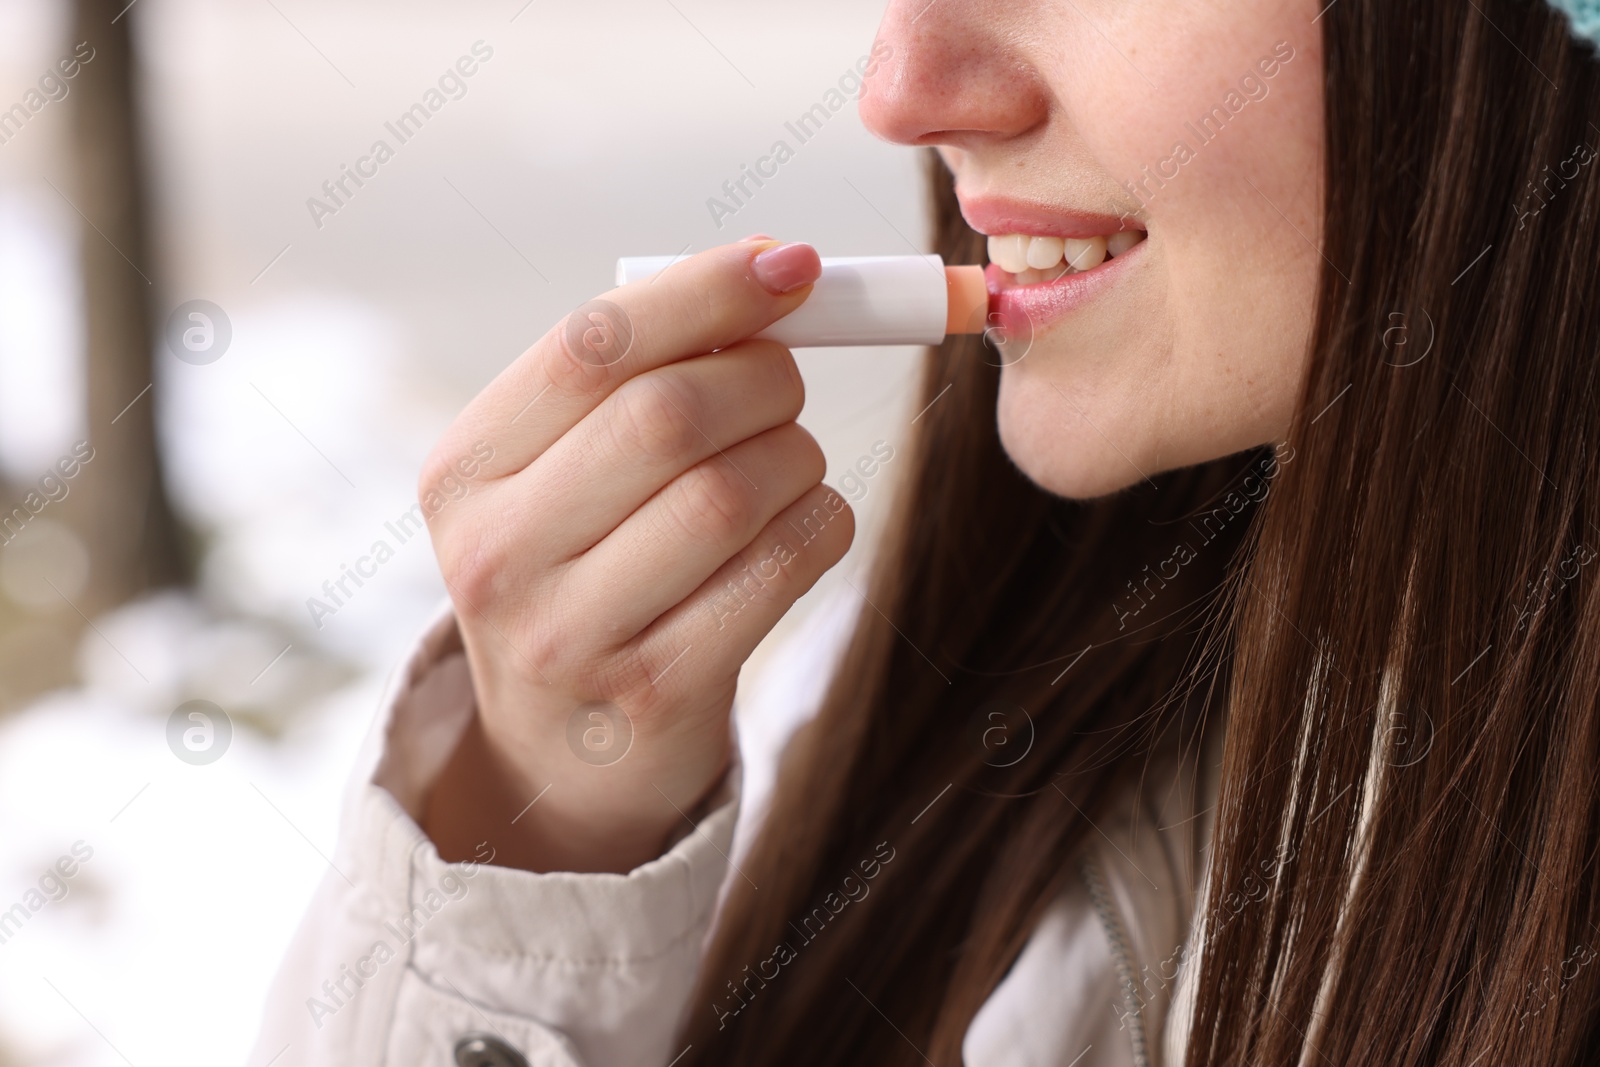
(164, 939)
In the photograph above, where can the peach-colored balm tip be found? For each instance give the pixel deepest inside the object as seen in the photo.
(967, 307)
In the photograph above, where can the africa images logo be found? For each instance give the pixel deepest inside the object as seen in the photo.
(199, 732)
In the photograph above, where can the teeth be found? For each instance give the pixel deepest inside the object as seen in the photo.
(1010, 251)
(1121, 241)
(1085, 254)
(1044, 259)
(1044, 252)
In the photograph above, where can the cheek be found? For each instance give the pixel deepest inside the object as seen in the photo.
(1176, 111)
(1136, 78)
(1229, 183)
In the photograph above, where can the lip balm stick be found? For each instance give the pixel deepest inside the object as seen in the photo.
(869, 300)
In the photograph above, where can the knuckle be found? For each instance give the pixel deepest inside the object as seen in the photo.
(560, 646)
(714, 503)
(844, 526)
(544, 651)
(584, 632)
(599, 333)
(630, 676)
(472, 563)
(437, 471)
(648, 423)
(833, 502)
(779, 383)
(809, 462)
(556, 660)
(440, 486)
(789, 385)
(822, 515)
(570, 375)
(764, 574)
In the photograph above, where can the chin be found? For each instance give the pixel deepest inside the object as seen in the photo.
(1061, 451)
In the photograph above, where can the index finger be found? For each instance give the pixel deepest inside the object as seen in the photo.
(703, 303)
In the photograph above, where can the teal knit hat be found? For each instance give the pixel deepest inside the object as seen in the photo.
(1584, 15)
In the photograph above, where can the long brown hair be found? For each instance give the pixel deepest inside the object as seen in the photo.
(1405, 634)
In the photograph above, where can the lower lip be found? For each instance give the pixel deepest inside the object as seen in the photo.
(1026, 309)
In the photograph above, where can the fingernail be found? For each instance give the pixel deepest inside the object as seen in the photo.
(757, 237)
(787, 267)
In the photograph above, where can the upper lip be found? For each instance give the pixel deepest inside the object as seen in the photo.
(993, 215)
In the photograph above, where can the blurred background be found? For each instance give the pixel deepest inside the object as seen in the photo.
(164, 520)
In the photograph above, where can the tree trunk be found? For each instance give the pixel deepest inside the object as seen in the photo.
(122, 513)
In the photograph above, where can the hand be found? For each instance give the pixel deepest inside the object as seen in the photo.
(642, 509)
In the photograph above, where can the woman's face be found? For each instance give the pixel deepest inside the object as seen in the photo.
(1074, 127)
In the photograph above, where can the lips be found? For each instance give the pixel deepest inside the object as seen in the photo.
(1045, 262)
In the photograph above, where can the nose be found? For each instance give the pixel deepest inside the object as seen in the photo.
(948, 77)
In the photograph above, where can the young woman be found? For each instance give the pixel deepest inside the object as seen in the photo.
(1233, 697)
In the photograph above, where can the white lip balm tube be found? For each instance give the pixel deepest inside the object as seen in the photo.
(868, 300)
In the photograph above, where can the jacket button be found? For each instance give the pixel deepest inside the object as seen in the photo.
(482, 1050)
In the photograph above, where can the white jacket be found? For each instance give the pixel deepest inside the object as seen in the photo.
(403, 959)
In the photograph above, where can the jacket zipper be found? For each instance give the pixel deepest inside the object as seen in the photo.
(1116, 936)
